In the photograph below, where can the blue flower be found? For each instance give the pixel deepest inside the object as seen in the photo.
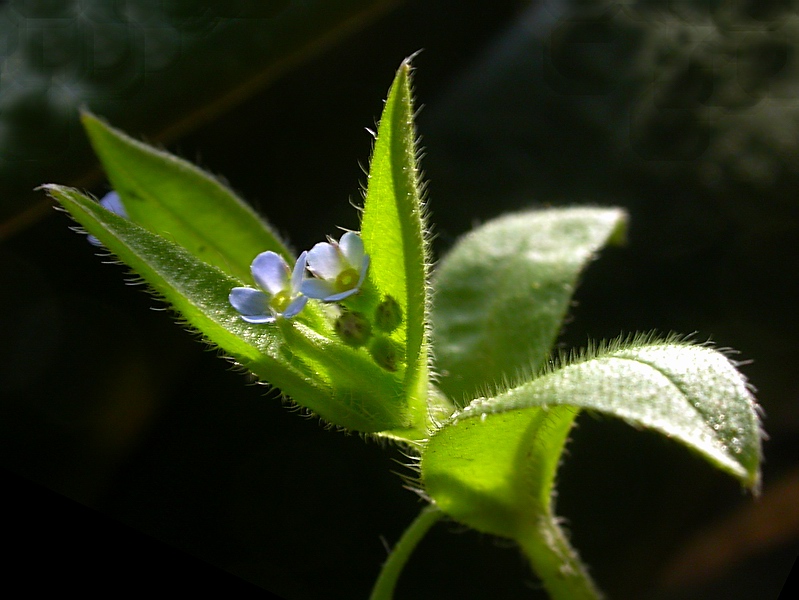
(279, 295)
(339, 268)
(110, 202)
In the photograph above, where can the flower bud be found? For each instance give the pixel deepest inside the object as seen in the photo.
(386, 353)
(353, 328)
(388, 315)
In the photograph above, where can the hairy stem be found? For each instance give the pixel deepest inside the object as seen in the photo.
(384, 586)
(556, 563)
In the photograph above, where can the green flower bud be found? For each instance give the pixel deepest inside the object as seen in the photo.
(388, 315)
(353, 328)
(386, 353)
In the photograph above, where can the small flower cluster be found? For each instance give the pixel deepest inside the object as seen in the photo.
(338, 269)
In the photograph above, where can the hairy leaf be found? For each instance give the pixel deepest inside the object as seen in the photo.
(336, 382)
(393, 231)
(503, 291)
(691, 394)
(492, 465)
(182, 203)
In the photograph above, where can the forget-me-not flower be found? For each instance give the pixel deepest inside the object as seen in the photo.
(110, 202)
(280, 294)
(339, 267)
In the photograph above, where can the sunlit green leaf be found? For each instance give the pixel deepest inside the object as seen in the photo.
(182, 203)
(393, 232)
(492, 465)
(494, 473)
(503, 291)
(691, 394)
(319, 373)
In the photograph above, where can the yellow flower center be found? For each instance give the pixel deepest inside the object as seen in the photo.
(346, 280)
(280, 301)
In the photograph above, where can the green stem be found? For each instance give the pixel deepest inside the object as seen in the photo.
(384, 586)
(556, 563)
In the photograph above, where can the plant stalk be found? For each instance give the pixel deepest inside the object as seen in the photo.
(389, 574)
(556, 563)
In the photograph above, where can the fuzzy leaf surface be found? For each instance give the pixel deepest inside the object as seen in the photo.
(319, 373)
(393, 232)
(503, 291)
(182, 203)
(493, 464)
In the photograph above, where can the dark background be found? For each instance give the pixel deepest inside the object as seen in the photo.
(683, 112)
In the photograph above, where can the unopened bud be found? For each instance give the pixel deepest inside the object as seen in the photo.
(386, 353)
(388, 315)
(353, 328)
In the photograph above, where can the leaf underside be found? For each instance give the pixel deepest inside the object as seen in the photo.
(492, 466)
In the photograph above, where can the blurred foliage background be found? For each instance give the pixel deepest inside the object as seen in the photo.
(684, 111)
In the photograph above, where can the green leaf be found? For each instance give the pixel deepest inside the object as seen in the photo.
(503, 291)
(492, 465)
(336, 382)
(175, 199)
(393, 232)
(495, 473)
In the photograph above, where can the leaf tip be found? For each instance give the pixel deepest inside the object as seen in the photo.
(54, 191)
(406, 65)
(618, 236)
(87, 117)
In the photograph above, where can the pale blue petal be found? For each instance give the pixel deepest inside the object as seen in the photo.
(324, 260)
(112, 202)
(340, 296)
(298, 275)
(249, 302)
(351, 246)
(270, 272)
(295, 307)
(318, 289)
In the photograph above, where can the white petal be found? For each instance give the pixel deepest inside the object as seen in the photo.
(324, 260)
(352, 247)
(258, 319)
(270, 272)
(364, 269)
